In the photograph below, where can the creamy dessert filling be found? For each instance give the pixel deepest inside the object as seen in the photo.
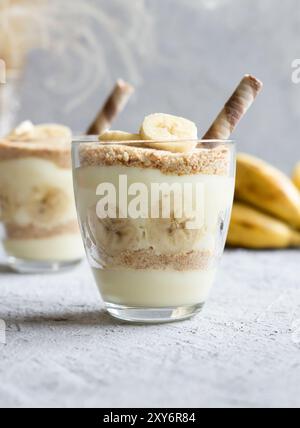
(64, 247)
(151, 289)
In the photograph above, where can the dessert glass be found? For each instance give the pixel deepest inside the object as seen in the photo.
(151, 264)
(38, 222)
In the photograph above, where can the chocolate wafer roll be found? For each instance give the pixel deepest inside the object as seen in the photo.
(235, 108)
(112, 107)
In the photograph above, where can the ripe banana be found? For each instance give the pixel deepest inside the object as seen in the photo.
(53, 131)
(24, 131)
(251, 229)
(268, 189)
(111, 136)
(296, 176)
(28, 132)
(171, 235)
(164, 127)
(112, 235)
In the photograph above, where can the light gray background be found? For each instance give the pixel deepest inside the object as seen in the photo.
(184, 56)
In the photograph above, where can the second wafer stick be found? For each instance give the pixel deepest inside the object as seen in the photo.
(112, 107)
(235, 108)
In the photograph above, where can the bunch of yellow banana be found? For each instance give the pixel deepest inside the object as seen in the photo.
(296, 175)
(266, 212)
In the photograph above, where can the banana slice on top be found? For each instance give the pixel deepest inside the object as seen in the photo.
(23, 132)
(111, 136)
(27, 132)
(172, 133)
(50, 130)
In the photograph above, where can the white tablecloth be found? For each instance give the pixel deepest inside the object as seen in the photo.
(243, 350)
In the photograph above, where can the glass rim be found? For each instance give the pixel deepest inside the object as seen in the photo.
(36, 142)
(82, 139)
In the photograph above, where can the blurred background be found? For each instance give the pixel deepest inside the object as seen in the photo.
(184, 57)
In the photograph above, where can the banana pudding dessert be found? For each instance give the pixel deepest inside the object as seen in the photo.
(154, 209)
(37, 208)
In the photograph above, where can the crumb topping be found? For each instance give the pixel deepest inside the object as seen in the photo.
(149, 260)
(60, 154)
(214, 160)
(14, 231)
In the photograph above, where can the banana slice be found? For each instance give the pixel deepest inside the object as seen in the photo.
(23, 132)
(27, 132)
(47, 206)
(7, 205)
(46, 131)
(112, 235)
(169, 236)
(119, 136)
(164, 127)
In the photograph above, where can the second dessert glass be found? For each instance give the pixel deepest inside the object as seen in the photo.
(154, 223)
(38, 221)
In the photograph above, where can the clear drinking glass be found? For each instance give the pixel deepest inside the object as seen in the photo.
(154, 223)
(9, 101)
(38, 222)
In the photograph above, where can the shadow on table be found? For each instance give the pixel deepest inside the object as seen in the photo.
(64, 319)
(5, 269)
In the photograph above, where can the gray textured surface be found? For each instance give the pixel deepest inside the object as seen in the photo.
(184, 56)
(244, 350)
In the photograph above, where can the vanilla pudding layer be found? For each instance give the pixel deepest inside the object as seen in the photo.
(37, 205)
(60, 248)
(154, 289)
